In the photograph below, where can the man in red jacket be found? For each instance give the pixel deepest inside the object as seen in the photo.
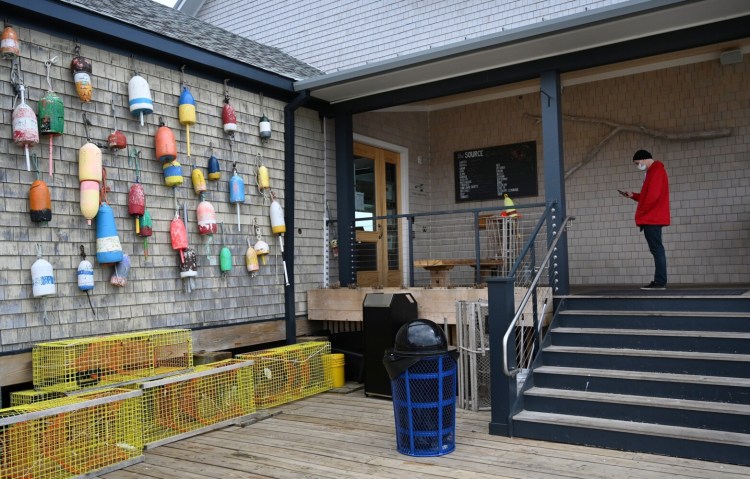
(652, 213)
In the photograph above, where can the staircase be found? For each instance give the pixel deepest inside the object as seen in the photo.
(664, 375)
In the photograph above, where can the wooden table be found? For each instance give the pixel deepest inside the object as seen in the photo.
(440, 268)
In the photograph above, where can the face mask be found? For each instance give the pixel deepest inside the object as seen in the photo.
(642, 166)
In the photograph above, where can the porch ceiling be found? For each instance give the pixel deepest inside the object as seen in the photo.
(551, 40)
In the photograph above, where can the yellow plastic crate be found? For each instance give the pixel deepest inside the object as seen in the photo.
(19, 398)
(101, 361)
(185, 404)
(288, 373)
(71, 436)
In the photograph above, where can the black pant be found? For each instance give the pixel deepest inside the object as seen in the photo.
(653, 238)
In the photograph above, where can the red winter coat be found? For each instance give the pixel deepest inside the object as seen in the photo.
(653, 200)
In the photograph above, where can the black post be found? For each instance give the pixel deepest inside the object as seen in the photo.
(289, 200)
(554, 177)
(345, 195)
(503, 388)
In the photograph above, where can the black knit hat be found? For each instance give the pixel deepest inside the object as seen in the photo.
(642, 155)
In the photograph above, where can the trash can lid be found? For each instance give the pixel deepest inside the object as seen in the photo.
(420, 337)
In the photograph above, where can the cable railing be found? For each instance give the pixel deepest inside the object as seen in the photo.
(452, 248)
(527, 342)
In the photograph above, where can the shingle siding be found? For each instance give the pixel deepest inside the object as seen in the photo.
(154, 296)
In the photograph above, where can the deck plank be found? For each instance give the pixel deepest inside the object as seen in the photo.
(351, 436)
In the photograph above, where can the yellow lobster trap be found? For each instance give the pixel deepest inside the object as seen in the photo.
(19, 398)
(71, 436)
(100, 361)
(212, 396)
(288, 373)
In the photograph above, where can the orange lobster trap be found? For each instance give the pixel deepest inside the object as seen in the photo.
(101, 361)
(212, 396)
(68, 437)
(288, 373)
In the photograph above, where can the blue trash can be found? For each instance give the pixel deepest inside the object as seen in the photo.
(423, 376)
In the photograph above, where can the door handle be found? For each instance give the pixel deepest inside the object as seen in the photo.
(380, 231)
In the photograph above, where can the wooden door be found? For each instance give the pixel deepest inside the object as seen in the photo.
(377, 251)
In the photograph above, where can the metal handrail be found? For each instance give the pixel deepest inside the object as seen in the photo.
(527, 296)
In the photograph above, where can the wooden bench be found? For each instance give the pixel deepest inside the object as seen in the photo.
(440, 268)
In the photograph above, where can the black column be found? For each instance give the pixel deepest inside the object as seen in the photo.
(345, 195)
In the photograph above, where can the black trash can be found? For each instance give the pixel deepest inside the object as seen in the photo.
(382, 316)
(423, 376)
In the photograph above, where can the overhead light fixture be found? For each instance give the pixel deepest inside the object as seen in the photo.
(731, 57)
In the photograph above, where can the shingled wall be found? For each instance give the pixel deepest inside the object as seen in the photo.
(154, 296)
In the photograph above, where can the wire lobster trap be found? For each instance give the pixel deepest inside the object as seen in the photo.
(212, 396)
(103, 361)
(504, 241)
(288, 373)
(71, 436)
(473, 338)
(30, 396)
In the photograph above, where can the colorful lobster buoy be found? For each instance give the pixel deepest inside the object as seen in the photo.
(10, 47)
(262, 178)
(261, 247)
(85, 273)
(89, 176)
(51, 113)
(108, 247)
(186, 113)
(251, 259)
(25, 126)
(189, 265)
(236, 192)
(121, 272)
(40, 200)
(264, 128)
(225, 256)
(199, 181)
(228, 116)
(207, 224)
(139, 97)
(178, 235)
(172, 173)
(42, 276)
(146, 230)
(166, 145)
(136, 204)
(82, 68)
(116, 140)
(278, 227)
(214, 171)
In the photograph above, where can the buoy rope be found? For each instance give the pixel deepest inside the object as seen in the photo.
(35, 163)
(104, 188)
(48, 65)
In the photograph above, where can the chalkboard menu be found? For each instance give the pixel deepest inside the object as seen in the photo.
(487, 173)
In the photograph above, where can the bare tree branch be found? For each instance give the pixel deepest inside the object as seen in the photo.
(618, 128)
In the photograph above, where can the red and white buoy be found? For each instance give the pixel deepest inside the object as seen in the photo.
(25, 125)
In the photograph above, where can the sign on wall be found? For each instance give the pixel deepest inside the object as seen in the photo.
(488, 173)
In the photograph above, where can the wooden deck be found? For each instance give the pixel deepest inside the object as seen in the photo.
(350, 436)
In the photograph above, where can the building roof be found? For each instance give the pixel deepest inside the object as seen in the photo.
(621, 32)
(171, 23)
